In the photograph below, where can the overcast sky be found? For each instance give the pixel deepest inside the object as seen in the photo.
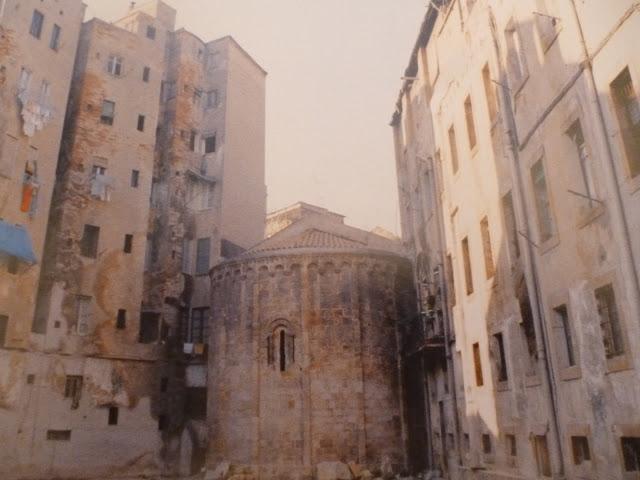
(334, 69)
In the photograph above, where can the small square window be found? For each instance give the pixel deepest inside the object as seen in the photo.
(113, 415)
(146, 74)
(37, 20)
(151, 32)
(141, 123)
(135, 178)
(54, 43)
(31, 379)
(121, 320)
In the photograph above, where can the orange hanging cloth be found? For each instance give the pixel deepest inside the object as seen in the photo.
(27, 196)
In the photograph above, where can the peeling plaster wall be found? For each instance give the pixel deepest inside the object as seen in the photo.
(340, 399)
(596, 398)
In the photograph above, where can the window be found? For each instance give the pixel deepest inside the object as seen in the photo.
(121, 319)
(45, 90)
(453, 149)
(471, 128)
(114, 65)
(490, 93)
(202, 256)
(510, 224)
(541, 453)
(192, 140)
(84, 314)
(146, 74)
(141, 123)
(73, 390)
(210, 144)
(562, 318)
(609, 321)
(512, 445)
(580, 449)
(211, 100)
(466, 257)
(466, 441)
(128, 243)
(135, 178)
(487, 448)
(4, 326)
(151, 32)
(89, 242)
(113, 416)
(451, 280)
(54, 43)
(282, 344)
(25, 79)
(516, 66)
(631, 453)
(108, 112)
(37, 20)
(31, 379)
(627, 109)
(199, 325)
(486, 247)
(195, 402)
(59, 435)
(586, 167)
(477, 364)
(546, 224)
(149, 327)
(501, 358)
(528, 327)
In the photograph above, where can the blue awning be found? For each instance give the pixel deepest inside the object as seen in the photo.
(16, 242)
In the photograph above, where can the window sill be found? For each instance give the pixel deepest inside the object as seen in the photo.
(589, 214)
(571, 373)
(618, 364)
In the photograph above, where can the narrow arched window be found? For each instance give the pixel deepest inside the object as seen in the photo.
(280, 349)
(283, 351)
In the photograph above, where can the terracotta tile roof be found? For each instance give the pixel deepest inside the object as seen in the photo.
(311, 238)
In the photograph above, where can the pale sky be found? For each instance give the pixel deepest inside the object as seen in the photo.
(334, 69)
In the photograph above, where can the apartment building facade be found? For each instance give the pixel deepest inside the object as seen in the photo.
(155, 146)
(517, 171)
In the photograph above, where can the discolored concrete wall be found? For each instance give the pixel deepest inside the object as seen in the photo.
(339, 397)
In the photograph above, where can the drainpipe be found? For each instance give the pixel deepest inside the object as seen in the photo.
(542, 336)
(445, 300)
(618, 212)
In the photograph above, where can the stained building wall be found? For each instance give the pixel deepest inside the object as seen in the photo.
(543, 385)
(336, 396)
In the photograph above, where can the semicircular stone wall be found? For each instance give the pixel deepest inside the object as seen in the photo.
(303, 363)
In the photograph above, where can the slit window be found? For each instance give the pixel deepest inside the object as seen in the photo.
(192, 140)
(466, 257)
(501, 358)
(453, 149)
(546, 224)
(487, 448)
(4, 326)
(73, 390)
(451, 280)
(512, 445)
(477, 362)
(121, 319)
(54, 43)
(146, 74)
(627, 109)
(141, 123)
(580, 450)
(489, 265)
(59, 435)
(203, 249)
(471, 128)
(113, 415)
(609, 321)
(37, 21)
(135, 178)
(631, 453)
(128, 243)
(562, 317)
